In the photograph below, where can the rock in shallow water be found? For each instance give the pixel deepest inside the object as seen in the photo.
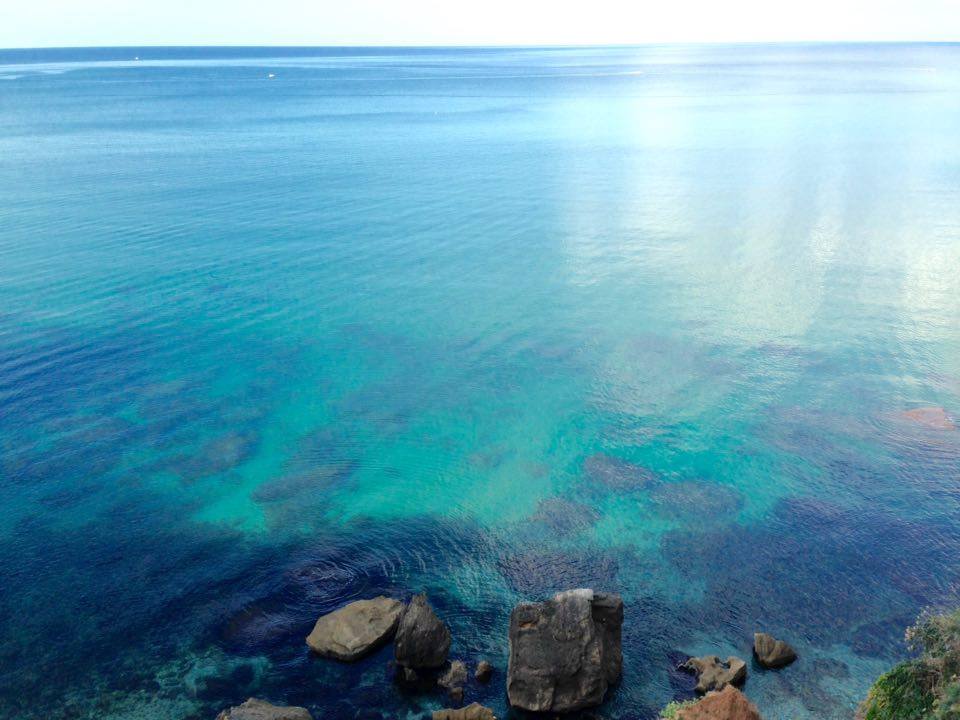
(565, 652)
(484, 671)
(254, 709)
(772, 653)
(454, 679)
(355, 629)
(714, 673)
(728, 704)
(473, 711)
(423, 640)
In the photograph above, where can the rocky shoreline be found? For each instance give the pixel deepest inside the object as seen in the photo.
(565, 653)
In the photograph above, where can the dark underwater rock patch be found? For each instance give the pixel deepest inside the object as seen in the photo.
(490, 458)
(616, 474)
(307, 484)
(565, 517)
(215, 456)
(689, 499)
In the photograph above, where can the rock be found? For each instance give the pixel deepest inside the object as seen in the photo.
(565, 652)
(356, 629)
(772, 653)
(727, 704)
(931, 417)
(473, 711)
(484, 671)
(454, 679)
(408, 675)
(456, 694)
(254, 709)
(714, 673)
(423, 640)
(686, 500)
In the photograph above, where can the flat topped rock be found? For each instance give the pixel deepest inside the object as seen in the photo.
(714, 673)
(254, 709)
(356, 629)
(473, 711)
(772, 653)
(728, 704)
(565, 652)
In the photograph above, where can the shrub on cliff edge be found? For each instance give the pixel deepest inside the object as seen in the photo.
(927, 688)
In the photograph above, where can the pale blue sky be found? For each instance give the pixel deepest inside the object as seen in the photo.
(36, 23)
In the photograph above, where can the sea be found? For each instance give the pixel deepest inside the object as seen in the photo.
(282, 328)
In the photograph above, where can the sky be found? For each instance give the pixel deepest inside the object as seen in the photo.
(65, 23)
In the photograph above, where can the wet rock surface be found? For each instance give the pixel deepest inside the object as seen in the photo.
(772, 653)
(484, 671)
(715, 674)
(356, 629)
(254, 709)
(422, 640)
(565, 652)
(727, 704)
(454, 679)
(473, 711)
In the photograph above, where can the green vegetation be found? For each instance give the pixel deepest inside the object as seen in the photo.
(927, 688)
(671, 710)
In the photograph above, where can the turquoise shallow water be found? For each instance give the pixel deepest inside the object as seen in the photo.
(488, 323)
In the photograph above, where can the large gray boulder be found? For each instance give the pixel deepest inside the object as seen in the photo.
(423, 640)
(565, 652)
(254, 709)
(356, 629)
(772, 653)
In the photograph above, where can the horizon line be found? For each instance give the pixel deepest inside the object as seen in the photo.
(481, 46)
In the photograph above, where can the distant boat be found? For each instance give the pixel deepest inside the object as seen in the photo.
(136, 57)
(271, 75)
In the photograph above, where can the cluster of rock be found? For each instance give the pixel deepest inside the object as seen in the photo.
(565, 654)
(718, 679)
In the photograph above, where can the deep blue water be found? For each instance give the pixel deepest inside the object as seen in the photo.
(489, 323)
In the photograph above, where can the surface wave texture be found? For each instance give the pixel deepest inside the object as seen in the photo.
(488, 324)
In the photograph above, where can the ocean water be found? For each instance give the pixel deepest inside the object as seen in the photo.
(280, 329)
